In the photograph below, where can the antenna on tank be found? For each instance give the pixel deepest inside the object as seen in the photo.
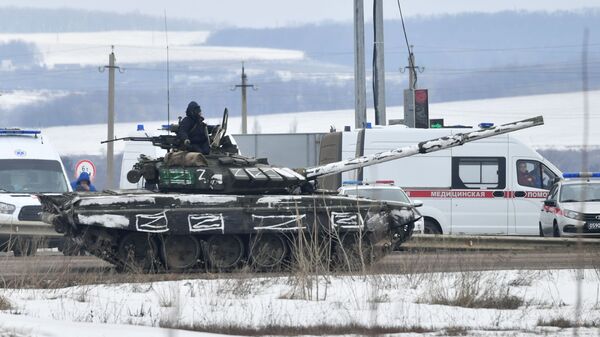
(168, 76)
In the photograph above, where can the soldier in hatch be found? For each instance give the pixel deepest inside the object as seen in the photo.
(193, 132)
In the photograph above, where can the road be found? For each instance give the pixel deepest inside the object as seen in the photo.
(53, 270)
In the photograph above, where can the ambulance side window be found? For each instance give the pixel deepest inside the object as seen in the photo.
(478, 172)
(548, 177)
(532, 173)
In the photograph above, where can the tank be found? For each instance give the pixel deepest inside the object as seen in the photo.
(222, 211)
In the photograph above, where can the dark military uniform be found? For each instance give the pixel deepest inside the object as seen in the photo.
(193, 128)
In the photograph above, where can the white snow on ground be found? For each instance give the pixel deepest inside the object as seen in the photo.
(382, 300)
(22, 325)
(92, 48)
(562, 116)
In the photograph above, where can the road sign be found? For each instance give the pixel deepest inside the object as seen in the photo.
(85, 165)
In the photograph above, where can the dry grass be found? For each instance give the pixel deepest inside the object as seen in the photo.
(472, 290)
(280, 330)
(5, 303)
(456, 331)
(563, 323)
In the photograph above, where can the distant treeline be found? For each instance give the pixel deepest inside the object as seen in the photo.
(470, 40)
(30, 20)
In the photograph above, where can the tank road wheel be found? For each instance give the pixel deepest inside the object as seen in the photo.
(137, 252)
(268, 251)
(180, 252)
(224, 251)
(353, 253)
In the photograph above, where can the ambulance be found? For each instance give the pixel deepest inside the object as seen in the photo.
(28, 165)
(471, 189)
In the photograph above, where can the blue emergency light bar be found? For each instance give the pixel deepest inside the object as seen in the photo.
(19, 132)
(581, 175)
(486, 125)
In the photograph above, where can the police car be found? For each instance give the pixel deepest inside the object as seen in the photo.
(28, 165)
(383, 190)
(572, 207)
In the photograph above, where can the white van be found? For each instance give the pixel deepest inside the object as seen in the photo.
(469, 189)
(28, 165)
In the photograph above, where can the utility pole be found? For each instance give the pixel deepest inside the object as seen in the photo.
(379, 64)
(110, 150)
(412, 78)
(244, 85)
(412, 118)
(360, 91)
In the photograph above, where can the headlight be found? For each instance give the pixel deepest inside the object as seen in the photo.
(573, 214)
(7, 208)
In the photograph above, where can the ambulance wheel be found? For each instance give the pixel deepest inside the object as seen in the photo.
(431, 227)
(541, 230)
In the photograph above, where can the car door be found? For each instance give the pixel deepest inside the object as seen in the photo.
(528, 194)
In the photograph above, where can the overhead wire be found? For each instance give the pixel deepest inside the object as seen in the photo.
(411, 66)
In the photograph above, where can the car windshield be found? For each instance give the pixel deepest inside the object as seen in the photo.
(580, 192)
(31, 176)
(395, 194)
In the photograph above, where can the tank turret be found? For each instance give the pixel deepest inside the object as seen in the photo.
(223, 210)
(224, 171)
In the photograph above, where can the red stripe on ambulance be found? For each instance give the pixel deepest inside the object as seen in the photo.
(474, 194)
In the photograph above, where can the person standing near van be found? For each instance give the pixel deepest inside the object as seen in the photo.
(83, 183)
(193, 132)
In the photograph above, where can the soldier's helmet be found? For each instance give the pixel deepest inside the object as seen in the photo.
(193, 109)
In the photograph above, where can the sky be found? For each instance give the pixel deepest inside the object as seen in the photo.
(271, 13)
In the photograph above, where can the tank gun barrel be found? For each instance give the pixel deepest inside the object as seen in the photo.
(428, 146)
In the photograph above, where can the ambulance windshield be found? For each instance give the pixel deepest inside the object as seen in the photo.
(31, 176)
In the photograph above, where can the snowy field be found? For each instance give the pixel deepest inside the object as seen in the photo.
(563, 116)
(516, 303)
(131, 47)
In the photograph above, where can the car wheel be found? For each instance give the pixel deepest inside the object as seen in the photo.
(541, 230)
(555, 230)
(431, 227)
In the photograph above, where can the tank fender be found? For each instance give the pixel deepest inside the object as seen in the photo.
(56, 221)
(402, 222)
(403, 216)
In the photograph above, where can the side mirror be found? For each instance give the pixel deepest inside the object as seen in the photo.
(417, 203)
(550, 203)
